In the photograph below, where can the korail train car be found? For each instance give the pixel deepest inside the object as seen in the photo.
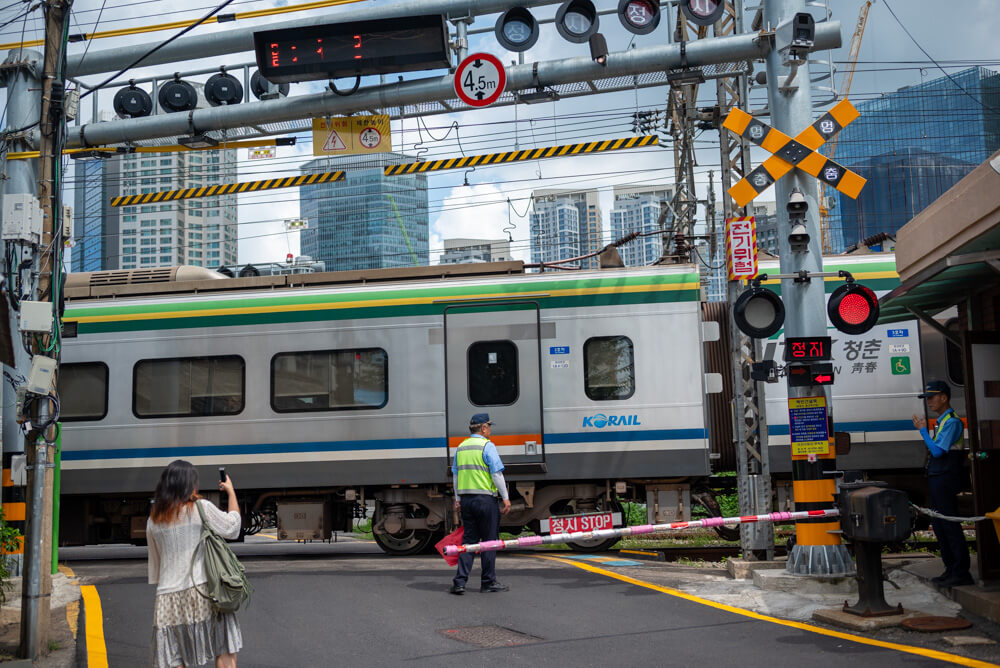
(321, 392)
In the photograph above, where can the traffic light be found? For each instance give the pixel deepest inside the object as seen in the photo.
(639, 16)
(703, 12)
(577, 20)
(516, 29)
(223, 89)
(177, 96)
(853, 308)
(132, 102)
(759, 312)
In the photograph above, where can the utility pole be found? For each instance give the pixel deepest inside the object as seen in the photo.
(753, 472)
(37, 587)
(818, 550)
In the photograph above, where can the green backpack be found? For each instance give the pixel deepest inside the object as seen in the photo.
(227, 584)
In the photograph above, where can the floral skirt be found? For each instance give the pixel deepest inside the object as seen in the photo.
(186, 631)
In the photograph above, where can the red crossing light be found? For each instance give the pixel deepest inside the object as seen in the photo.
(853, 308)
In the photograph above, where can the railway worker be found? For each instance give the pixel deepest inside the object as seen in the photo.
(478, 474)
(186, 632)
(945, 475)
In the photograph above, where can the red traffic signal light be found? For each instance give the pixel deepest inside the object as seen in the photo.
(853, 308)
(758, 312)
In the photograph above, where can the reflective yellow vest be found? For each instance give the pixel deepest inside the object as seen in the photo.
(950, 415)
(472, 473)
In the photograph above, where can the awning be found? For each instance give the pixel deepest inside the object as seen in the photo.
(947, 282)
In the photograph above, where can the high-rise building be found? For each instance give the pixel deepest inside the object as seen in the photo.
(200, 232)
(368, 220)
(556, 234)
(464, 251)
(913, 145)
(638, 209)
(96, 224)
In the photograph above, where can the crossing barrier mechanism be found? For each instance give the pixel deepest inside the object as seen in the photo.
(603, 534)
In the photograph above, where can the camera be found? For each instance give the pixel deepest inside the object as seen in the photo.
(794, 38)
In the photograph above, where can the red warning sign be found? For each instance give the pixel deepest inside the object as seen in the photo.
(480, 80)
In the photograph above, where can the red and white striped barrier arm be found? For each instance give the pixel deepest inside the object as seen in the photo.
(530, 541)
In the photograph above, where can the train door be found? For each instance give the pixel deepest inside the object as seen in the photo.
(493, 365)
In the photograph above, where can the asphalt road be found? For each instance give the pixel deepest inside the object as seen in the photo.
(347, 604)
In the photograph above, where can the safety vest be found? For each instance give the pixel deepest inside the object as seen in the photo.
(950, 415)
(473, 475)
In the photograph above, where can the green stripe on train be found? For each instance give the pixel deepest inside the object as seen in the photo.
(451, 292)
(274, 317)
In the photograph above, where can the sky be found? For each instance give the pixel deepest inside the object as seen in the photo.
(490, 203)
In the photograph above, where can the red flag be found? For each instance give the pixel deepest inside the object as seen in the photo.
(454, 538)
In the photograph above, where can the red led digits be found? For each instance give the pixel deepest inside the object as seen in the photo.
(274, 54)
(357, 45)
(319, 49)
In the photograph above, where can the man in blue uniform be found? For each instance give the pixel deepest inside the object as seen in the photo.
(945, 474)
(478, 474)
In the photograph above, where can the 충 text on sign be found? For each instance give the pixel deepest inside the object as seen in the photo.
(480, 80)
(741, 247)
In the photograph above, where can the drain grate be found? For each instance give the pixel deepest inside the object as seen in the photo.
(489, 636)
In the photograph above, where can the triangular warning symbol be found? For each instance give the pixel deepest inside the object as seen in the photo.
(334, 142)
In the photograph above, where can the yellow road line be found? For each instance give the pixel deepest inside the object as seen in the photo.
(97, 650)
(73, 607)
(802, 626)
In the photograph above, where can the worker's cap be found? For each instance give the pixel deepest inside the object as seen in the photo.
(480, 418)
(936, 387)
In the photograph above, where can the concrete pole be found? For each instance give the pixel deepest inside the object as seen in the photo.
(22, 72)
(816, 551)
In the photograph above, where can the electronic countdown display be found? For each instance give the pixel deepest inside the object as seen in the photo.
(382, 46)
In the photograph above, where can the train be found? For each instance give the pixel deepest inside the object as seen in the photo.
(325, 394)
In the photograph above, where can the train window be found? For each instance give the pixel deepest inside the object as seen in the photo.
(329, 380)
(83, 391)
(188, 387)
(608, 368)
(493, 373)
(953, 355)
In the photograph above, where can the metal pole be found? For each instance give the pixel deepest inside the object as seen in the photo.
(817, 551)
(21, 71)
(414, 91)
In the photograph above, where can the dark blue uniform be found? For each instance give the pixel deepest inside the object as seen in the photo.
(945, 477)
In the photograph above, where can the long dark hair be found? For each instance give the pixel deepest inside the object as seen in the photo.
(175, 490)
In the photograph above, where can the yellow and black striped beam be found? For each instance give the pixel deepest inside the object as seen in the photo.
(789, 153)
(228, 189)
(111, 151)
(518, 156)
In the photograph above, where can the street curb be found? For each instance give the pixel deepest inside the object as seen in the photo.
(80, 659)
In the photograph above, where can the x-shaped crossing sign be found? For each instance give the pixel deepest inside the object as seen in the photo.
(789, 153)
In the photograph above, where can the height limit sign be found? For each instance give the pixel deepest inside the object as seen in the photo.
(480, 80)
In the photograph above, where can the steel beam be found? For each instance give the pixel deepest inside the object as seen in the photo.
(554, 72)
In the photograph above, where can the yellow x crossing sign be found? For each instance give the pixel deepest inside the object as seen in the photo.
(789, 153)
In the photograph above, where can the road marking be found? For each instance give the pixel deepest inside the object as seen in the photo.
(909, 649)
(97, 650)
(73, 607)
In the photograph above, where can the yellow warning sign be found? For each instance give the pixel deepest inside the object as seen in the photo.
(347, 135)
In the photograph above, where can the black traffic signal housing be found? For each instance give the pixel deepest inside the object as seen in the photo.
(516, 29)
(133, 102)
(853, 308)
(759, 313)
(639, 16)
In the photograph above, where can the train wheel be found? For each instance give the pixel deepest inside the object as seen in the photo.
(404, 543)
(706, 498)
(597, 544)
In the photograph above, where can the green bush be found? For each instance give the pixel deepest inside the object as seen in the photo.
(10, 541)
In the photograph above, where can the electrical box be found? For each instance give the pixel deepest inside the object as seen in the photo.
(874, 513)
(43, 371)
(36, 317)
(22, 219)
(67, 222)
(305, 520)
(71, 104)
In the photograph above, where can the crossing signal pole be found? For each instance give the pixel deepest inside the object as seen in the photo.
(818, 549)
